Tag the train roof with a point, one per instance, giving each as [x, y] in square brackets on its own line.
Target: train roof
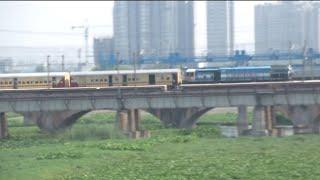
[147, 71]
[208, 69]
[13, 75]
[246, 67]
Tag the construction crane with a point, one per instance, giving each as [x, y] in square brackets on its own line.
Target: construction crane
[86, 37]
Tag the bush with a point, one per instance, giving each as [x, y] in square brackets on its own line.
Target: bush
[282, 120]
[201, 131]
[59, 155]
[93, 131]
[98, 118]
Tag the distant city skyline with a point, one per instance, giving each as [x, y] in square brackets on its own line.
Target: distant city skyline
[51, 16]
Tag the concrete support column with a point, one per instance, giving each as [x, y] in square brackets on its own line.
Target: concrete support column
[27, 119]
[270, 118]
[137, 118]
[258, 121]
[242, 121]
[129, 123]
[3, 125]
[122, 118]
[131, 120]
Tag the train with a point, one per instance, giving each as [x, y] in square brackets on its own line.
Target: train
[170, 77]
[238, 74]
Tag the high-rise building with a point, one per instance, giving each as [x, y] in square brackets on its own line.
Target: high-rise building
[286, 26]
[220, 27]
[103, 52]
[125, 28]
[153, 28]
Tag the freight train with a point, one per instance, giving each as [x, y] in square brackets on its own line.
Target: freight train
[169, 77]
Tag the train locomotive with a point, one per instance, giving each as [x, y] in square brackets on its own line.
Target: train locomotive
[237, 74]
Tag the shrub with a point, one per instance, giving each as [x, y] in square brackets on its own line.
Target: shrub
[93, 131]
[59, 155]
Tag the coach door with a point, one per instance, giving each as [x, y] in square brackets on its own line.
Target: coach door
[15, 83]
[152, 79]
[110, 80]
[124, 80]
[174, 79]
[53, 82]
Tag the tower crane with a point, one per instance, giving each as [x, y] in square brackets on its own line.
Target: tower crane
[86, 37]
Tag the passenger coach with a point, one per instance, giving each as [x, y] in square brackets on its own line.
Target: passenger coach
[170, 77]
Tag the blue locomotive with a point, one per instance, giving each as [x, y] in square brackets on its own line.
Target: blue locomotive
[238, 74]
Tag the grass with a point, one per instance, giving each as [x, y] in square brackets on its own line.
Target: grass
[94, 149]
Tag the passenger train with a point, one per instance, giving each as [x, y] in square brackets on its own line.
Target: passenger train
[169, 77]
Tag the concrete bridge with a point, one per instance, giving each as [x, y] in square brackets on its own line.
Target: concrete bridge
[52, 109]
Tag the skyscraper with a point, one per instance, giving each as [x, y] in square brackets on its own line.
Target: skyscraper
[153, 28]
[220, 27]
[103, 52]
[286, 26]
[125, 28]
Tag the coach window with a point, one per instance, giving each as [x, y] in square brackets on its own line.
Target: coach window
[101, 80]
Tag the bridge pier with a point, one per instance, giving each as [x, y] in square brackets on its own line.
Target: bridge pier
[3, 125]
[270, 118]
[305, 118]
[27, 119]
[179, 117]
[242, 121]
[259, 121]
[128, 121]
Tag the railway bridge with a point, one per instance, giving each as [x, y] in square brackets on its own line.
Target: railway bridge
[52, 109]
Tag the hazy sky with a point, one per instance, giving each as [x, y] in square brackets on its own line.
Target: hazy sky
[20, 22]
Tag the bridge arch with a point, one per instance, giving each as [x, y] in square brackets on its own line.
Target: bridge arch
[53, 120]
[179, 117]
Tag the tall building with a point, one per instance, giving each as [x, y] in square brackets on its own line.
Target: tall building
[103, 52]
[125, 28]
[153, 28]
[286, 26]
[220, 27]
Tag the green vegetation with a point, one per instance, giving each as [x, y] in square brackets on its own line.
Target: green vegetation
[94, 149]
